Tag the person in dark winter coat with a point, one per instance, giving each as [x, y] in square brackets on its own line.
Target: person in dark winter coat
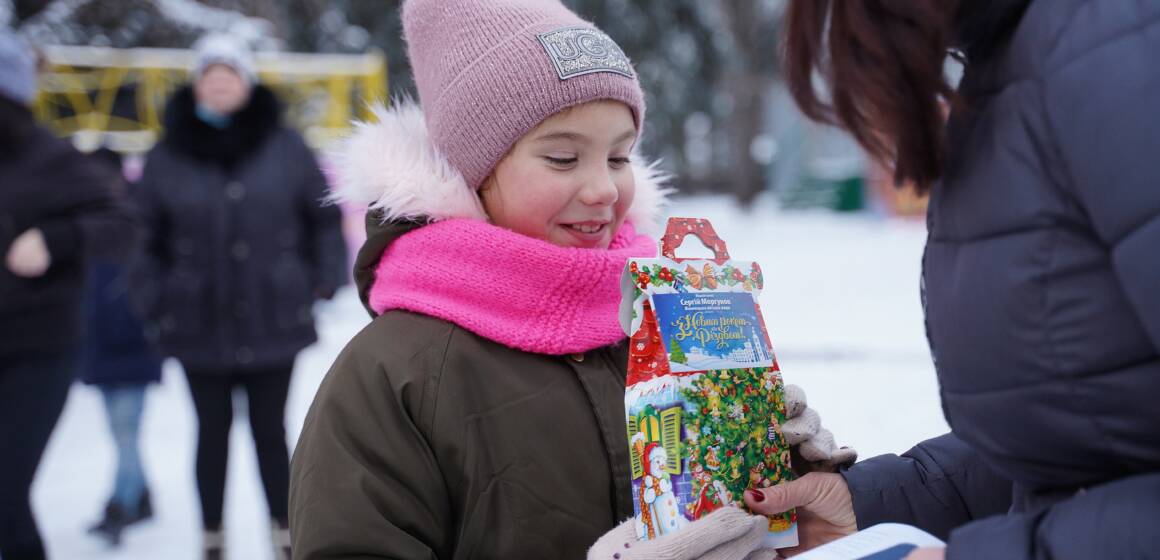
[117, 358]
[56, 212]
[240, 244]
[1042, 267]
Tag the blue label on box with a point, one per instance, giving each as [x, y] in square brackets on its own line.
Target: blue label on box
[711, 331]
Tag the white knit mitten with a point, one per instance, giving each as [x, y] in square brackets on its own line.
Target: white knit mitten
[726, 534]
[803, 430]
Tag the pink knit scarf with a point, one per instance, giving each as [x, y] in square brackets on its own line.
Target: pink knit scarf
[520, 292]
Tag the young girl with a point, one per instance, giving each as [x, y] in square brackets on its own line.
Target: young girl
[481, 414]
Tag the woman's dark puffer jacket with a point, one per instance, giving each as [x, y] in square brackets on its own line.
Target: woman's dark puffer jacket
[1042, 293]
[239, 241]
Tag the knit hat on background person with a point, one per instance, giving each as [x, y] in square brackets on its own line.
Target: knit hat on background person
[17, 68]
[220, 48]
[489, 71]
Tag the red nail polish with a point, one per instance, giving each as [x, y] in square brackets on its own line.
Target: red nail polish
[757, 496]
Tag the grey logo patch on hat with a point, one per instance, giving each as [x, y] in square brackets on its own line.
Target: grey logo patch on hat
[576, 51]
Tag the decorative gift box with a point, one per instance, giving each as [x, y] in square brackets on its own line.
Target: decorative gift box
[704, 401]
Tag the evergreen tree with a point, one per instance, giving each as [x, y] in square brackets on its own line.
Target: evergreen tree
[675, 353]
[736, 438]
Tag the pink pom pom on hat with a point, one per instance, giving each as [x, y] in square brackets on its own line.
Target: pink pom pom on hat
[489, 71]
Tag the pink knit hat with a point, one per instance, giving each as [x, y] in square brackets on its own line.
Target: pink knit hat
[489, 71]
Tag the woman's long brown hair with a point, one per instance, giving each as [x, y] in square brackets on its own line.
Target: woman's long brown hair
[882, 64]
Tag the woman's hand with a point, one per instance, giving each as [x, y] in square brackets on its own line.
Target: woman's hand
[824, 507]
[28, 256]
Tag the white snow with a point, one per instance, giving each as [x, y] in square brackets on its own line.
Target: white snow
[207, 18]
[841, 302]
[54, 24]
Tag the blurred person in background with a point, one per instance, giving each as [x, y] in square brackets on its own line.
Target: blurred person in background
[238, 248]
[56, 211]
[121, 363]
[1041, 276]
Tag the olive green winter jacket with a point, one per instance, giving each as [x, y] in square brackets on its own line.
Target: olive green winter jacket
[427, 441]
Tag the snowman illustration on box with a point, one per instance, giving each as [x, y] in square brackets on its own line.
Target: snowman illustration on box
[657, 503]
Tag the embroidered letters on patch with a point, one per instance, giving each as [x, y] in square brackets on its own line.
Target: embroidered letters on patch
[576, 51]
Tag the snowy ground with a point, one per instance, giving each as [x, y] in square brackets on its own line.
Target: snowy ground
[841, 303]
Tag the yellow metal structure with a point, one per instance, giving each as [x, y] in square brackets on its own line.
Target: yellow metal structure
[115, 97]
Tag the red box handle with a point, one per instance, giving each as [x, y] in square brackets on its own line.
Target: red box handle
[679, 228]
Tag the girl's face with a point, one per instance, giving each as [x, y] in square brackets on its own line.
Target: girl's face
[568, 181]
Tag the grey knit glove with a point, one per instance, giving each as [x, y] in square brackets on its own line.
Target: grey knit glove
[726, 534]
[809, 441]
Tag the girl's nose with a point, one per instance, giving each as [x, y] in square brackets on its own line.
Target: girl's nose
[600, 190]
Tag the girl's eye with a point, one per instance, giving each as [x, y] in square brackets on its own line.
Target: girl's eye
[617, 163]
[560, 162]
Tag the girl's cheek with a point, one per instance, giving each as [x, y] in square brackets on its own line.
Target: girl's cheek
[627, 194]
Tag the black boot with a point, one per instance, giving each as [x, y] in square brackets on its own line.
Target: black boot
[114, 523]
[213, 544]
[117, 518]
[144, 507]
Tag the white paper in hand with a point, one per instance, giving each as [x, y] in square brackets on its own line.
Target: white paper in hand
[888, 541]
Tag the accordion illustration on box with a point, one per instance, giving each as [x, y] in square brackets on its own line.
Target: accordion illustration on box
[704, 401]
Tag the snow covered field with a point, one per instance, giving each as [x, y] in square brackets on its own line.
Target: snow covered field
[841, 302]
